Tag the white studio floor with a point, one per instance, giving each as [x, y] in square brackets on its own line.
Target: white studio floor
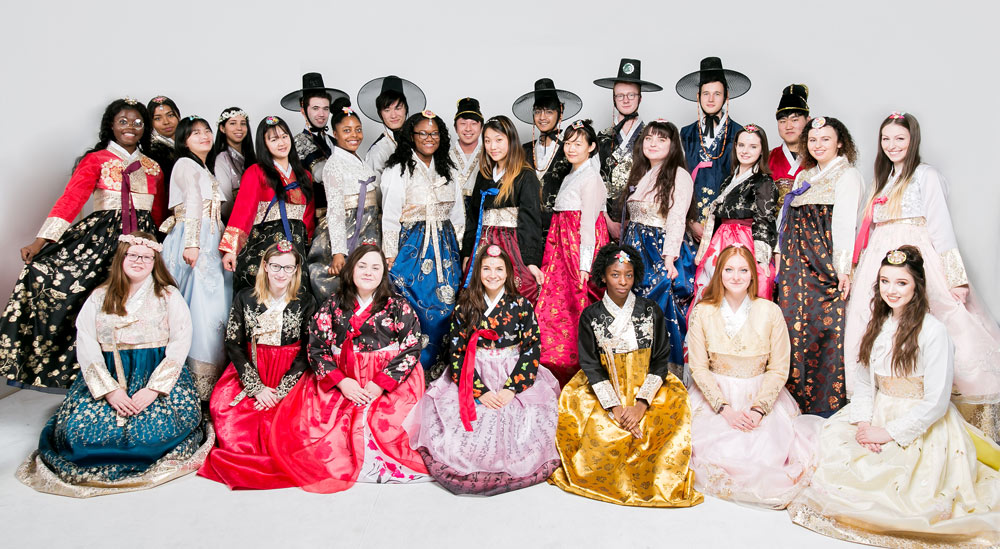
[194, 512]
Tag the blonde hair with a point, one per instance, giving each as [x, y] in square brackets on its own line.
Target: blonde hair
[261, 287]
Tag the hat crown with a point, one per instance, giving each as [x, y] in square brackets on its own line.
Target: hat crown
[392, 83]
[711, 63]
[545, 84]
[468, 104]
[630, 68]
[312, 80]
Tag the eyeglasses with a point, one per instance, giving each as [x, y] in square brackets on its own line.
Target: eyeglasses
[136, 258]
[276, 268]
[630, 96]
[426, 135]
[124, 123]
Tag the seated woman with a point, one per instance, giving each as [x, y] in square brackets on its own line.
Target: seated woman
[624, 425]
[489, 427]
[131, 420]
[343, 423]
[738, 354]
[266, 340]
[898, 465]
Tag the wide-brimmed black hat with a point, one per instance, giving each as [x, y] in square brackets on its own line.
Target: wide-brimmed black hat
[545, 89]
[794, 98]
[310, 81]
[468, 107]
[415, 98]
[711, 71]
[629, 70]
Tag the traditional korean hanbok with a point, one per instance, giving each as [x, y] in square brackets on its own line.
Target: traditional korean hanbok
[260, 219]
[743, 213]
[466, 169]
[422, 212]
[352, 217]
[658, 238]
[207, 287]
[709, 157]
[578, 230]
[550, 165]
[784, 165]
[923, 221]
[324, 441]
[229, 165]
[514, 224]
[267, 344]
[380, 151]
[930, 486]
[469, 448]
[741, 358]
[817, 225]
[624, 357]
[37, 338]
[87, 449]
[616, 146]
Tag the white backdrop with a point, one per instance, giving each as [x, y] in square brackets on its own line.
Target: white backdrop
[63, 62]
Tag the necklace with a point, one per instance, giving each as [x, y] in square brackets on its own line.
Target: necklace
[534, 159]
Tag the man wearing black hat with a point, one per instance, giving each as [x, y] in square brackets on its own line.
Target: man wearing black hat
[465, 150]
[388, 100]
[617, 142]
[708, 142]
[792, 114]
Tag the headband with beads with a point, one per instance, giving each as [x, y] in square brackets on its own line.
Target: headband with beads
[140, 241]
[818, 123]
[229, 114]
[896, 257]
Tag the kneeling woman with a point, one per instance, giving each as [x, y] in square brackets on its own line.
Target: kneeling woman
[266, 340]
[738, 351]
[624, 431]
[131, 420]
[898, 465]
[343, 423]
[489, 427]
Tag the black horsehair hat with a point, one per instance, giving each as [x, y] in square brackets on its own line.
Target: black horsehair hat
[545, 88]
[468, 107]
[629, 70]
[368, 94]
[794, 99]
[310, 81]
[711, 70]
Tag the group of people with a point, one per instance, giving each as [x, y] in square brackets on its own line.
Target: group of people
[637, 315]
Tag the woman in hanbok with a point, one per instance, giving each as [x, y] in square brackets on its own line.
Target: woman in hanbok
[266, 339]
[191, 251]
[67, 260]
[422, 211]
[488, 426]
[275, 203]
[165, 116]
[343, 422]
[624, 433]
[898, 466]
[816, 231]
[657, 196]
[749, 442]
[506, 208]
[132, 419]
[578, 230]
[353, 213]
[744, 212]
[388, 100]
[908, 205]
[233, 154]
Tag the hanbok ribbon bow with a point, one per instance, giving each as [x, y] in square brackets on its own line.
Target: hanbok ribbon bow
[466, 402]
[861, 242]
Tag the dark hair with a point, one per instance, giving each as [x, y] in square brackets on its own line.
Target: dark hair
[716, 290]
[403, 155]
[106, 133]
[247, 145]
[387, 98]
[585, 128]
[548, 101]
[266, 161]
[184, 130]
[118, 283]
[159, 101]
[844, 141]
[762, 165]
[905, 344]
[788, 112]
[471, 302]
[337, 111]
[513, 164]
[309, 95]
[668, 169]
[606, 256]
[348, 291]
[883, 166]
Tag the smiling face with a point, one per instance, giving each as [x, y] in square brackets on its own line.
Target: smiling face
[138, 263]
[712, 97]
[127, 128]
[165, 120]
[736, 276]
[823, 144]
[279, 143]
[619, 278]
[577, 149]
[655, 147]
[348, 133]
[790, 127]
[468, 130]
[394, 115]
[748, 149]
[895, 141]
[496, 145]
[317, 112]
[426, 138]
[235, 129]
[200, 140]
[278, 276]
[895, 286]
[368, 273]
[493, 273]
[545, 118]
[627, 97]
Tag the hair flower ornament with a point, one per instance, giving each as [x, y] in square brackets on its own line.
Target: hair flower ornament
[750, 128]
[284, 246]
[493, 250]
[896, 257]
[428, 113]
[818, 123]
[623, 257]
[139, 241]
[271, 120]
[896, 115]
[229, 114]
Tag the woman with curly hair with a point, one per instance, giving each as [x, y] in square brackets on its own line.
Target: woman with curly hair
[624, 433]
[68, 260]
[898, 466]
[422, 211]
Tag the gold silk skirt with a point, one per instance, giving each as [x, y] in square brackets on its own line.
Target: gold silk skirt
[602, 461]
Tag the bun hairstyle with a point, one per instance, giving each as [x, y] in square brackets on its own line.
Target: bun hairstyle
[338, 112]
[585, 128]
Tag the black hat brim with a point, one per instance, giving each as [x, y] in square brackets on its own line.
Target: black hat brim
[416, 101]
[524, 105]
[291, 101]
[689, 85]
[644, 85]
